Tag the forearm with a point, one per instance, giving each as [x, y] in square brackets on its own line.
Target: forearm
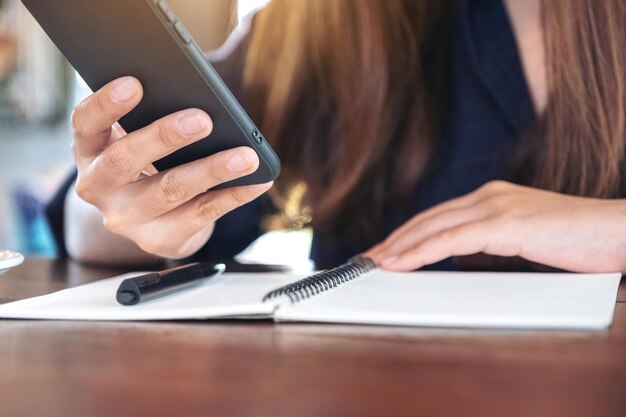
[87, 240]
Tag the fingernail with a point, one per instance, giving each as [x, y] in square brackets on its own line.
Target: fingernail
[123, 90]
[389, 261]
[238, 163]
[193, 122]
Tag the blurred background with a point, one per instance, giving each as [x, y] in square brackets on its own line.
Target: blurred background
[38, 89]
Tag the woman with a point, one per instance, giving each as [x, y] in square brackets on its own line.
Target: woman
[410, 122]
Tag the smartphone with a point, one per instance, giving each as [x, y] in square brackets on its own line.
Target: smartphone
[107, 39]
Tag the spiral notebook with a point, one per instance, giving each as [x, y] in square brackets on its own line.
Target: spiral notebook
[357, 293]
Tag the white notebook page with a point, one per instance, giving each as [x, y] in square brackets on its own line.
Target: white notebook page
[461, 299]
[440, 299]
[227, 296]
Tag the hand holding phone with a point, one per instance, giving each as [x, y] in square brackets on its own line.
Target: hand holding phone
[163, 110]
[170, 214]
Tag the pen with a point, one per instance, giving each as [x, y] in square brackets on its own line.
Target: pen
[160, 284]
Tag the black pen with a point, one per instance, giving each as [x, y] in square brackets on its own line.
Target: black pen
[160, 284]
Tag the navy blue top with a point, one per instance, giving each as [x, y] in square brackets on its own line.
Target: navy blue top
[490, 109]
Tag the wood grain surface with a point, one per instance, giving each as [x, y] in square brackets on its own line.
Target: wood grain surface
[262, 369]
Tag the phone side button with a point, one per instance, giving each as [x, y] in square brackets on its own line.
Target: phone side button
[167, 12]
[182, 33]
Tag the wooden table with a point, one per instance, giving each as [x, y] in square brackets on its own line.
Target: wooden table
[295, 370]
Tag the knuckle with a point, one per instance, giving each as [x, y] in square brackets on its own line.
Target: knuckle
[74, 148]
[216, 170]
[100, 103]
[432, 220]
[84, 189]
[501, 202]
[165, 135]
[149, 246]
[76, 120]
[506, 219]
[113, 222]
[448, 235]
[503, 205]
[117, 159]
[171, 190]
[495, 186]
[239, 196]
[208, 211]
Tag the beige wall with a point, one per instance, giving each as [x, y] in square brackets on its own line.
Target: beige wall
[208, 21]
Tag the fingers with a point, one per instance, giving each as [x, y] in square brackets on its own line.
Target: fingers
[124, 160]
[466, 239]
[383, 250]
[165, 191]
[424, 229]
[93, 119]
[169, 213]
[211, 206]
[191, 218]
[478, 222]
[468, 208]
[180, 232]
[492, 236]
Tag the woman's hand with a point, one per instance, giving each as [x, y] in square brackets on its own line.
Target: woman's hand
[169, 214]
[503, 219]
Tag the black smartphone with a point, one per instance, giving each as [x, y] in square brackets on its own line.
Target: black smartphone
[107, 39]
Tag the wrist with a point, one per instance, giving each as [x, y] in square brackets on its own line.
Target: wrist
[619, 208]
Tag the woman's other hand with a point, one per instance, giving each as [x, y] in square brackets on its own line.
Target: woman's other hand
[168, 214]
[503, 219]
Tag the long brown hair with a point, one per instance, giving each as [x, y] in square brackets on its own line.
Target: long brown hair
[350, 93]
[579, 144]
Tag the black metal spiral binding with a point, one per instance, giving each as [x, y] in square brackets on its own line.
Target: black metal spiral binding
[323, 281]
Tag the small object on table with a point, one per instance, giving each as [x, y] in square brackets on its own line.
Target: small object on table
[9, 259]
